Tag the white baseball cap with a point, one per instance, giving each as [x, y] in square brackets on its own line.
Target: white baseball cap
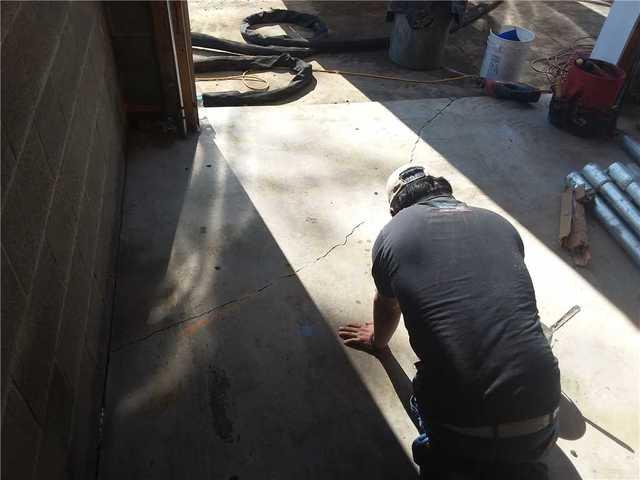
[402, 176]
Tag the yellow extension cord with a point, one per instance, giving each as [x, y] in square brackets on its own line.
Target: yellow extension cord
[247, 77]
[554, 67]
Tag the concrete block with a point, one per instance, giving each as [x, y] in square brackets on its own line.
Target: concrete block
[61, 226]
[86, 12]
[76, 157]
[98, 323]
[8, 11]
[98, 49]
[82, 459]
[8, 164]
[67, 70]
[14, 302]
[104, 36]
[96, 332]
[111, 80]
[27, 54]
[52, 460]
[20, 438]
[74, 318]
[138, 67]
[112, 94]
[52, 126]
[111, 127]
[25, 210]
[114, 172]
[131, 18]
[57, 432]
[86, 238]
[59, 406]
[105, 245]
[36, 342]
[88, 92]
[112, 89]
[96, 168]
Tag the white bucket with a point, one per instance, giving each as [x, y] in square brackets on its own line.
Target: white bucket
[503, 59]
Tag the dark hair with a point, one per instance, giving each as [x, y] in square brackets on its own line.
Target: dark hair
[418, 190]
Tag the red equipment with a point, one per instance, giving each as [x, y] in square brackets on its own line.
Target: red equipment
[586, 101]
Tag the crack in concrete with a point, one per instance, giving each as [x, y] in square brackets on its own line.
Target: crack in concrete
[238, 299]
[344, 243]
[426, 124]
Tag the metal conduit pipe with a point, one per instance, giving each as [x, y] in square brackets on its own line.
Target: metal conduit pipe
[608, 218]
[623, 178]
[632, 147]
[634, 170]
[602, 184]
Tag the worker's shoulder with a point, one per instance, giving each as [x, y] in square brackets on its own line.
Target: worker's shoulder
[407, 218]
[490, 215]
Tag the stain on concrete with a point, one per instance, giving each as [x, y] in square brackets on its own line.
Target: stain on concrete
[218, 384]
[161, 401]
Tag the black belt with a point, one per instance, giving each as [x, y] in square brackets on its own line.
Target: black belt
[508, 430]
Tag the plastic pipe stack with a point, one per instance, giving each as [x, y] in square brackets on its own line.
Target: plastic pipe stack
[616, 197]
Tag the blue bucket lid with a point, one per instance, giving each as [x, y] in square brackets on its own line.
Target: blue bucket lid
[510, 35]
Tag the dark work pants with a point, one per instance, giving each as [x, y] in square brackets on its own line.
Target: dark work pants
[448, 452]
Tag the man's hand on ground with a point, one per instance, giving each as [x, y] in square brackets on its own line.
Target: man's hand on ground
[359, 336]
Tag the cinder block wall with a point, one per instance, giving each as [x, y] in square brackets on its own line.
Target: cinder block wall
[62, 174]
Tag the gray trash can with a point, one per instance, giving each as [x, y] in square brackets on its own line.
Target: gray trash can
[419, 32]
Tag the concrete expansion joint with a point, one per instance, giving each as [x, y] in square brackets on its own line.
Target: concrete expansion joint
[241, 298]
[425, 125]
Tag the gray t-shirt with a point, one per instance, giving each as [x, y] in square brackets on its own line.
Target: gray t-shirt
[469, 306]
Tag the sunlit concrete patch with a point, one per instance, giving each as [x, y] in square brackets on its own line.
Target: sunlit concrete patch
[234, 372]
[599, 8]
[246, 394]
[314, 172]
[183, 214]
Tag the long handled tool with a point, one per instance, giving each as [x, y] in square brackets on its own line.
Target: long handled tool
[549, 331]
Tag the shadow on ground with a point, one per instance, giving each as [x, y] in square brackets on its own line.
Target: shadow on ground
[560, 466]
[222, 366]
[557, 25]
[523, 170]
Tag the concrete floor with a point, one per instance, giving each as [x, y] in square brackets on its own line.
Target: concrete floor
[557, 25]
[243, 249]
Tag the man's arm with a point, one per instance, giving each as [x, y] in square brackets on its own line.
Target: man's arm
[373, 337]
[386, 315]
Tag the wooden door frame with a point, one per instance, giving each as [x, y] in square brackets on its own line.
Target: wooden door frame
[172, 36]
